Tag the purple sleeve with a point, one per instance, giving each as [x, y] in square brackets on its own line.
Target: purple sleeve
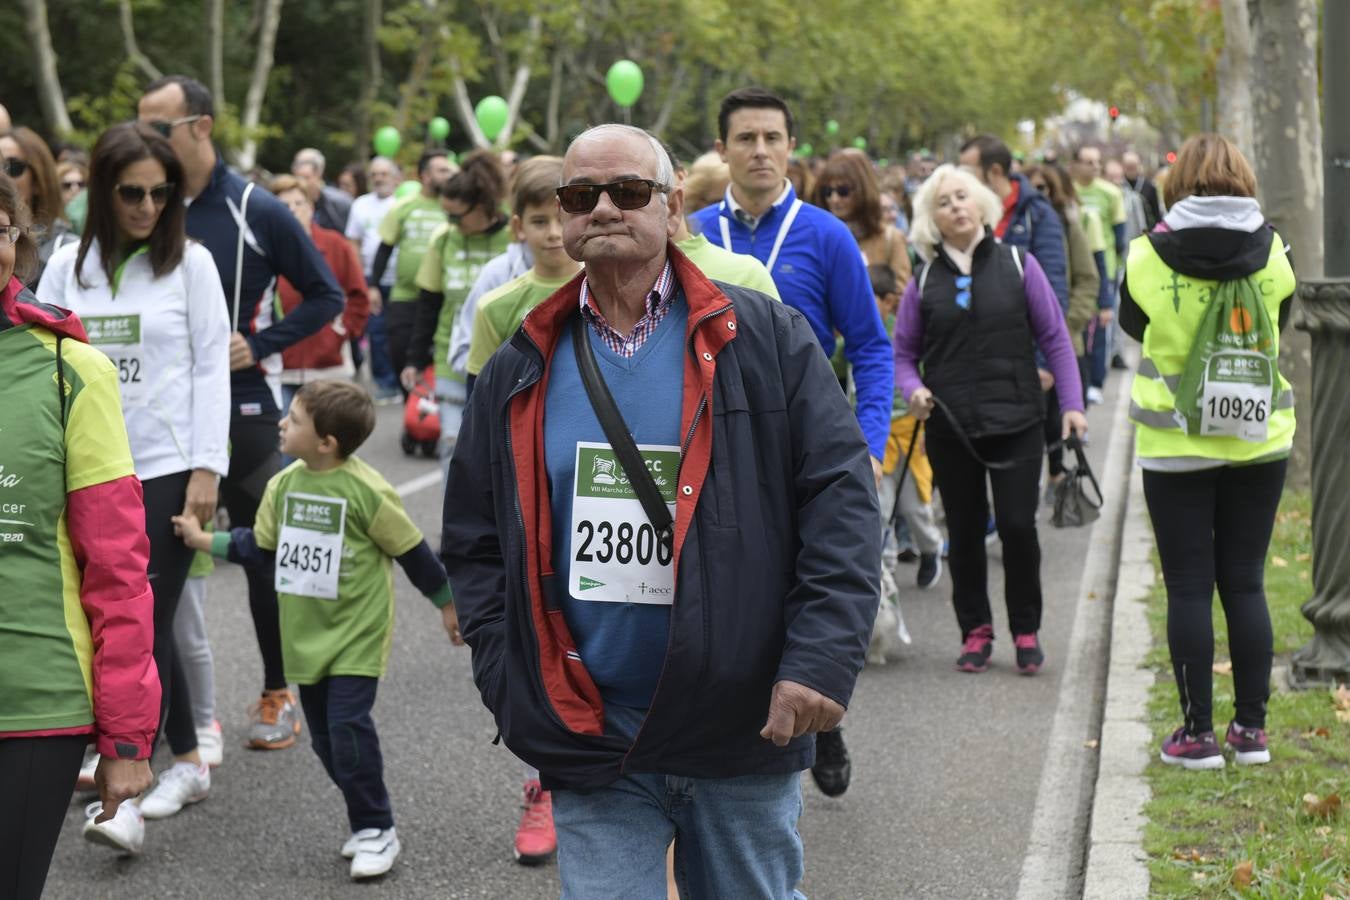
[908, 341]
[1052, 336]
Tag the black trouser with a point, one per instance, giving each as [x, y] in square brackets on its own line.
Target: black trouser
[342, 733]
[254, 458]
[37, 779]
[962, 481]
[170, 560]
[1054, 447]
[399, 318]
[1213, 529]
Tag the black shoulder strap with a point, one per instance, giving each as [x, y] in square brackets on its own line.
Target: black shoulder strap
[616, 432]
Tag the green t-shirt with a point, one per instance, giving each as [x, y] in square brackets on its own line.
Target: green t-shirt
[349, 635]
[501, 311]
[409, 226]
[739, 269]
[450, 267]
[1109, 203]
[1092, 228]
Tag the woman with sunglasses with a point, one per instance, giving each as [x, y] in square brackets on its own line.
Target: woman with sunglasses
[473, 201]
[973, 317]
[848, 187]
[152, 302]
[29, 162]
[76, 605]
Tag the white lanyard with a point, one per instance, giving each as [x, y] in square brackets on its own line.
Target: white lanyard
[239, 253]
[783, 230]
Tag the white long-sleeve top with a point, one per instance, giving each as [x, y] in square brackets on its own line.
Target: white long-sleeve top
[170, 340]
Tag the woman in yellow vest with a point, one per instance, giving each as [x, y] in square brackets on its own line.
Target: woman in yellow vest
[1214, 430]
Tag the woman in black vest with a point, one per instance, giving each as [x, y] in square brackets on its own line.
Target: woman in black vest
[965, 340]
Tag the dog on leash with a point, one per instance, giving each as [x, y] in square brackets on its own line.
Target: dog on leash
[888, 630]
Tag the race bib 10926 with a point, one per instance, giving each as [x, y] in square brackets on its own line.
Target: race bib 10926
[1235, 396]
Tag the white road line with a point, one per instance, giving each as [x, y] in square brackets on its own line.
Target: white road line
[420, 483]
[1057, 842]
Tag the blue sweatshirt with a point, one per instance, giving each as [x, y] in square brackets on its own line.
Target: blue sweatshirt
[274, 245]
[820, 271]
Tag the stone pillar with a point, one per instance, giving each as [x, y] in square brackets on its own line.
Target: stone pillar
[1324, 310]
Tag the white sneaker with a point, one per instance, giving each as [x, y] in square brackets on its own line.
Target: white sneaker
[178, 785]
[211, 744]
[125, 831]
[87, 768]
[350, 846]
[1094, 395]
[374, 852]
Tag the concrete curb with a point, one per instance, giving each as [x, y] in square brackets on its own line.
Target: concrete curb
[1117, 867]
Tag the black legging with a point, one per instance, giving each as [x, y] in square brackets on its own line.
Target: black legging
[254, 458]
[170, 560]
[962, 481]
[1054, 446]
[1213, 528]
[37, 779]
[400, 317]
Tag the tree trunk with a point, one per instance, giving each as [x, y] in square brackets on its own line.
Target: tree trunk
[421, 66]
[215, 50]
[520, 81]
[551, 124]
[50, 96]
[1287, 143]
[1234, 76]
[257, 85]
[374, 75]
[138, 59]
[465, 107]
[673, 92]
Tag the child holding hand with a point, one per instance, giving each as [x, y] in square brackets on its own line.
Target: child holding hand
[329, 526]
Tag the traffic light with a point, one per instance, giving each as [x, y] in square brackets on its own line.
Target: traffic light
[1114, 113]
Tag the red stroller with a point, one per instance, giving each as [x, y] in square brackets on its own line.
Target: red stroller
[421, 417]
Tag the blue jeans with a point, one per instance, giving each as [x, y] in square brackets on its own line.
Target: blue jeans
[734, 837]
[381, 368]
[450, 399]
[1100, 355]
[342, 733]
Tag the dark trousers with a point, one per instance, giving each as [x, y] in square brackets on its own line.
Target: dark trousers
[342, 733]
[1213, 529]
[37, 779]
[399, 319]
[254, 458]
[382, 370]
[1054, 447]
[964, 483]
[170, 560]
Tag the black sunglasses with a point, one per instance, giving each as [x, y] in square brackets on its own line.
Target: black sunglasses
[15, 167]
[842, 190]
[166, 128]
[631, 193]
[134, 194]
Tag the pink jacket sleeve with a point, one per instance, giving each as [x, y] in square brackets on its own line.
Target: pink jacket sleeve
[107, 532]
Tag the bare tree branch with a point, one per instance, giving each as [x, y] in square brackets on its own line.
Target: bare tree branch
[51, 98]
[521, 80]
[139, 59]
[215, 47]
[257, 86]
[374, 76]
[672, 94]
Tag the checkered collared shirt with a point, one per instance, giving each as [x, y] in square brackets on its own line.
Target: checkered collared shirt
[659, 301]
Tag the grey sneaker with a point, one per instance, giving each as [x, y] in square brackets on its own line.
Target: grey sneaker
[276, 721]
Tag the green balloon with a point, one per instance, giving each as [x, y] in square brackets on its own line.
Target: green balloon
[407, 189]
[491, 113]
[832, 127]
[438, 128]
[624, 80]
[860, 142]
[387, 141]
[884, 162]
[805, 150]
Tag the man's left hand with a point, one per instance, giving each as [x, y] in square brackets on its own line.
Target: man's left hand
[795, 709]
[876, 470]
[241, 354]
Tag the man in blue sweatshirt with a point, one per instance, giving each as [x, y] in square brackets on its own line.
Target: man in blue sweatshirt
[270, 244]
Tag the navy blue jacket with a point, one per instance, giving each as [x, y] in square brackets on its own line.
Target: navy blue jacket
[274, 245]
[1035, 227]
[776, 548]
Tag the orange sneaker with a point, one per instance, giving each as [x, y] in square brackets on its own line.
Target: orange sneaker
[276, 721]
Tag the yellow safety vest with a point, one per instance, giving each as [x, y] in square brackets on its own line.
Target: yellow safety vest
[1175, 305]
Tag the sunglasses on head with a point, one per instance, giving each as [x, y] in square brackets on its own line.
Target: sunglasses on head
[631, 193]
[842, 190]
[15, 167]
[166, 128]
[134, 194]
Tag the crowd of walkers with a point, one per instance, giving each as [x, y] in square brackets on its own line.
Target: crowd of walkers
[860, 360]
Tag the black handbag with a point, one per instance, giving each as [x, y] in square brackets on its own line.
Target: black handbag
[1074, 507]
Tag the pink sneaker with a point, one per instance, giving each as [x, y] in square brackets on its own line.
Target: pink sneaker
[536, 840]
[1192, 751]
[975, 651]
[1248, 745]
[1029, 655]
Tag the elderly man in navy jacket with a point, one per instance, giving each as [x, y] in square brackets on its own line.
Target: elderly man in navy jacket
[665, 683]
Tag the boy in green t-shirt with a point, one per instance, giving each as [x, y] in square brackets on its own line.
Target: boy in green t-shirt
[330, 525]
[535, 220]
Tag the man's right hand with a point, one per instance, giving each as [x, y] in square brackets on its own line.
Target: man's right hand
[921, 404]
[118, 780]
[376, 300]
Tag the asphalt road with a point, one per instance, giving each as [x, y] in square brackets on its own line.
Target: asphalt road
[946, 766]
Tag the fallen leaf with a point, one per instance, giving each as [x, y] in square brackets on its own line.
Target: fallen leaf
[1091, 745]
[1341, 697]
[1322, 808]
[1198, 876]
[1242, 875]
[1092, 595]
[1223, 668]
[1303, 557]
[1343, 715]
[1279, 562]
[1322, 830]
[1322, 732]
[1304, 576]
[1260, 827]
